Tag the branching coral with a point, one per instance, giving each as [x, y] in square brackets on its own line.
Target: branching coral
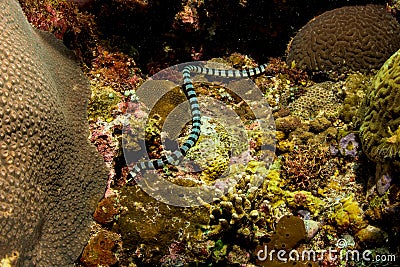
[306, 167]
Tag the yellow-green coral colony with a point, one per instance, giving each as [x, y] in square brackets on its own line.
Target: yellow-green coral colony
[380, 114]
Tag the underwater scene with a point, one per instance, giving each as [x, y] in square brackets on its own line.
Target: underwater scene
[199, 133]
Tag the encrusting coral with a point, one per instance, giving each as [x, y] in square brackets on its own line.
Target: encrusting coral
[51, 176]
[346, 38]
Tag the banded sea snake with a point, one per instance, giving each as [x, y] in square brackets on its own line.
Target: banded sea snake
[175, 157]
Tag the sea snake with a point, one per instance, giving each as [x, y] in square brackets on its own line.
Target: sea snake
[175, 157]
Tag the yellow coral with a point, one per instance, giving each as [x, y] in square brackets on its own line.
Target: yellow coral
[348, 214]
[285, 146]
[273, 187]
[9, 261]
[211, 152]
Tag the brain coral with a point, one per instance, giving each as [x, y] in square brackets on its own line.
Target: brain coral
[51, 177]
[351, 37]
[380, 114]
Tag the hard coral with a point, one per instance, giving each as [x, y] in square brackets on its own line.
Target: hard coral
[51, 176]
[380, 123]
[380, 114]
[319, 99]
[306, 167]
[351, 37]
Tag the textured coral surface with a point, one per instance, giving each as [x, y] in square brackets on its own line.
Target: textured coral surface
[319, 99]
[50, 176]
[352, 37]
[379, 131]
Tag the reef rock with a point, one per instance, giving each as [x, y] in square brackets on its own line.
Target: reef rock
[351, 37]
[51, 177]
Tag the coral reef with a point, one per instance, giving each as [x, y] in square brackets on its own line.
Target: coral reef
[305, 179]
[311, 197]
[319, 99]
[347, 38]
[51, 176]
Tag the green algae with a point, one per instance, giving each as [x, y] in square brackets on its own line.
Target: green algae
[219, 251]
